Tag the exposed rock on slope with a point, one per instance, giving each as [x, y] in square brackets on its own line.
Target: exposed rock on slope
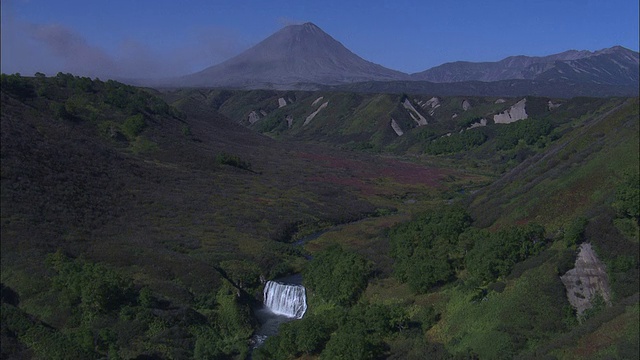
[253, 117]
[316, 101]
[396, 128]
[587, 279]
[418, 118]
[313, 114]
[515, 113]
[482, 122]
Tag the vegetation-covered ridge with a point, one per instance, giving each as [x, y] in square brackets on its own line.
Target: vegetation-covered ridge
[448, 126]
[183, 203]
[141, 224]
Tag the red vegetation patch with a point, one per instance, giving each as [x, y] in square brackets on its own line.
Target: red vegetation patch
[362, 186]
[412, 174]
[363, 174]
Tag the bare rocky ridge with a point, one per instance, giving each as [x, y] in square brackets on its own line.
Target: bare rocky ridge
[614, 66]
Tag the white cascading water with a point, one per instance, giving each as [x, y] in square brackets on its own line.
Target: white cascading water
[287, 300]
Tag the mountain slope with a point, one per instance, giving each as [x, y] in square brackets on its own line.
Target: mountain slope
[295, 54]
[579, 172]
[613, 66]
[303, 57]
[508, 88]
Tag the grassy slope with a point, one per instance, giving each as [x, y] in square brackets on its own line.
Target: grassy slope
[360, 121]
[168, 215]
[574, 175]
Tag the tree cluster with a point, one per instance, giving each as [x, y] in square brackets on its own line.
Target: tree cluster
[337, 276]
[431, 249]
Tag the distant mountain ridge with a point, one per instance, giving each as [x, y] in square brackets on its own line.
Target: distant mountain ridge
[304, 57]
[613, 66]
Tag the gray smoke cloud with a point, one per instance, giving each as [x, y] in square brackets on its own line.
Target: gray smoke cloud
[52, 48]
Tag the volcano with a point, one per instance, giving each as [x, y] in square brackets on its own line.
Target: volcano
[295, 55]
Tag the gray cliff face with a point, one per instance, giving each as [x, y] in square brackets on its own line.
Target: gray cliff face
[612, 66]
[295, 54]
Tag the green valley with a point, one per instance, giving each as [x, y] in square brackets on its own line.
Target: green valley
[141, 223]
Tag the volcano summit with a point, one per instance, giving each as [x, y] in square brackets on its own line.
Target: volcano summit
[295, 55]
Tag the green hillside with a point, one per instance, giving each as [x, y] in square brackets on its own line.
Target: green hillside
[142, 224]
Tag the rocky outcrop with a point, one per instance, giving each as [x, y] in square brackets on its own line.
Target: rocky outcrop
[513, 114]
[586, 280]
[316, 101]
[282, 102]
[551, 105]
[396, 128]
[466, 105]
[313, 114]
[253, 117]
[418, 118]
[482, 122]
[289, 120]
[434, 103]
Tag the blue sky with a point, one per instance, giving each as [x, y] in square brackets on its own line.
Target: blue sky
[157, 38]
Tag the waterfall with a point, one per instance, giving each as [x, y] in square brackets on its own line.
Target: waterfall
[287, 300]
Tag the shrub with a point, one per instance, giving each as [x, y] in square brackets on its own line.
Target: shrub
[426, 250]
[232, 160]
[337, 275]
[306, 336]
[133, 126]
[627, 201]
[494, 254]
[94, 287]
[574, 234]
[456, 142]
